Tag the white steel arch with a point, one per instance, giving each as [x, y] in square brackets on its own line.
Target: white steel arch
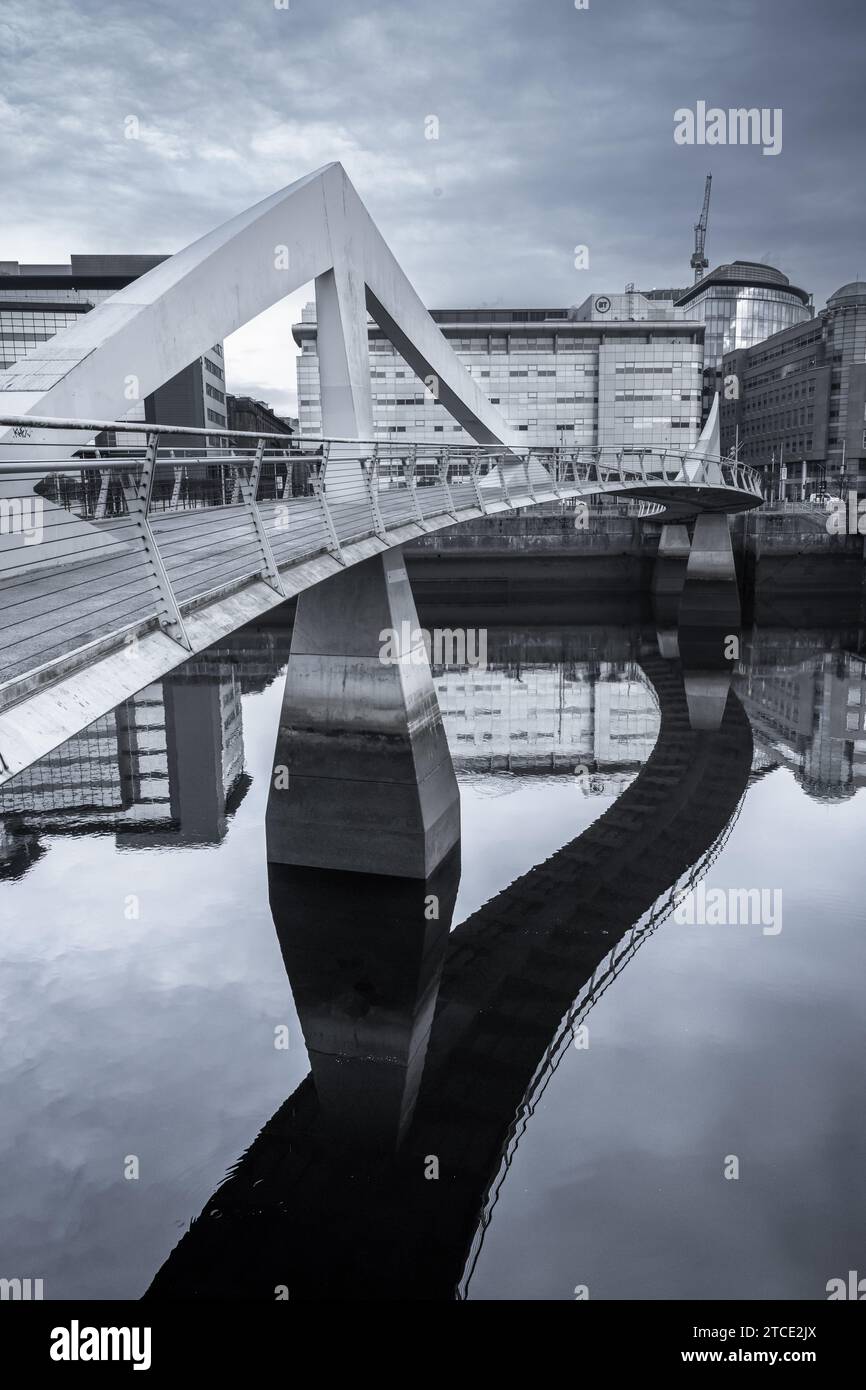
[315, 229]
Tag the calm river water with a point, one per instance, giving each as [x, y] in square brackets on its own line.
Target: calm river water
[618, 1099]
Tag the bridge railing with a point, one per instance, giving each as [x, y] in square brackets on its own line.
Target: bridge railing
[109, 529]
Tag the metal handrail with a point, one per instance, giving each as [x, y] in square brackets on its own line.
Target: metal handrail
[646, 461]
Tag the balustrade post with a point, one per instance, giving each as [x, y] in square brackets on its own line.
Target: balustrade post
[249, 486]
[413, 486]
[139, 495]
[319, 489]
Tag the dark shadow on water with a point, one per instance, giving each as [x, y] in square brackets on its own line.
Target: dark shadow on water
[374, 1177]
[364, 955]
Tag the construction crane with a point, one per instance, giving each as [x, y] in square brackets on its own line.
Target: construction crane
[699, 262]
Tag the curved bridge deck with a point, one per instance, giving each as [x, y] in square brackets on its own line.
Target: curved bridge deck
[119, 563]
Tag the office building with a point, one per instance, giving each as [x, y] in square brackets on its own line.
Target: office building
[592, 375]
[795, 404]
[37, 301]
[256, 417]
[741, 304]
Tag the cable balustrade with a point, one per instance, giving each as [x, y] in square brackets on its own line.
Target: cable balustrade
[110, 529]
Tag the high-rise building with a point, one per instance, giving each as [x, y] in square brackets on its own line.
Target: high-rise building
[795, 403]
[37, 301]
[618, 370]
[741, 304]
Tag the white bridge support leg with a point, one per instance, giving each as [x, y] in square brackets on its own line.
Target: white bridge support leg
[371, 786]
[368, 784]
[344, 376]
[712, 555]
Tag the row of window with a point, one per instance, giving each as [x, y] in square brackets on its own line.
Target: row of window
[654, 395]
[800, 444]
[38, 322]
[757, 359]
[24, 341]
[783, 419]
[552, 347]
[779, 397]
[645, 367]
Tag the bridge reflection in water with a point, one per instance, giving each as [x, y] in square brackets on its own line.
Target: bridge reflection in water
[429, 1048]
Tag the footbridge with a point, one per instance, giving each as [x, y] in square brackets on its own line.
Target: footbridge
[126, 547]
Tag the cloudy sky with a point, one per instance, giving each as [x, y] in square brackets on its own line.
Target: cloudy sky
[555, 130]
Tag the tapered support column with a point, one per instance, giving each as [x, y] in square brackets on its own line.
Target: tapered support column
[674, 543]
[344, 375]
[669, 571]
[712, 556]
[363, 775]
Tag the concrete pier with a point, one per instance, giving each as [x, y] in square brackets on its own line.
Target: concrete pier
[363, 779]
[712, 556]
[674, 543]
[669, 570]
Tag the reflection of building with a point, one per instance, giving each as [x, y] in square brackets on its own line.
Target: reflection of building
[813, 718]
[549, 718]
[37, 301]
[165, 768]
[740, 304]
[559, 376]
[801, 399]
[18, 850]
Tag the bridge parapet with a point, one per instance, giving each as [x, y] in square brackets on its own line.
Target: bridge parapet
[119, 559]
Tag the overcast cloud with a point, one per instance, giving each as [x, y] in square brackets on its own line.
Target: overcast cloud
[555, 129]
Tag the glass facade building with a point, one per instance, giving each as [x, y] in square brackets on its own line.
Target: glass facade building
[559, 376]
[22, 328]
[741, 304]
[38, 301]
